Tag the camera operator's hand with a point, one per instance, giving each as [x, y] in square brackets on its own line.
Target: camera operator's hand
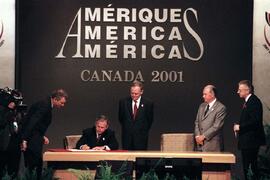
[46, 140]
[23, 145]
[11, 105]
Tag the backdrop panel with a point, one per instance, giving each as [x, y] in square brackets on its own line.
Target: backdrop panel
[94, 49]
[261, 54]
[7, 43]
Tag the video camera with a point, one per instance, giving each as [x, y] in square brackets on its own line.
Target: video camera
[8, 95]
[15, 115]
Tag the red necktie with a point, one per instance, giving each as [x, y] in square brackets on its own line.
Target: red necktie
[135, 109]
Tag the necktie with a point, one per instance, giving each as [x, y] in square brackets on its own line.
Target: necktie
[244, 105]
[135, 109]
[207, 109]
[98, 137]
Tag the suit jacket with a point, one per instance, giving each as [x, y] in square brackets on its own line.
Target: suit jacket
[4, 128]
[251, 134]
[89, 137]
[36, 124]
[211, 126]
[135, 131]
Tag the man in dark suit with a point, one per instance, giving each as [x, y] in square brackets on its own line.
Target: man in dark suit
[209, 122]
[249, 129]
[35, 126]
[7, 137]
[99, 137]
[136, 117]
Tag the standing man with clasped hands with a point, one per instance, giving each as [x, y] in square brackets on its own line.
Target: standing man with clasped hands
[135, 117]
[209, 122]
[249, 129]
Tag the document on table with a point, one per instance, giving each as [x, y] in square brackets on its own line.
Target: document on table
[80, 150]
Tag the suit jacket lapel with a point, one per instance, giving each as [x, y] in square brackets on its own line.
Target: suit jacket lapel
[250, 99]
[140, 108]
[129, 106]
[202, 112]
[211, 109]
[244, 108]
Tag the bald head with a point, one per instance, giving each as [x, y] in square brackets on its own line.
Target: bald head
[209, 93]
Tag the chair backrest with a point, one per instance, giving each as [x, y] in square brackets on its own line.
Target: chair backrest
[70, 141]
[177, 142]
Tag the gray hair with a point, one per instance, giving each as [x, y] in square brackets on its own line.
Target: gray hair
[212, 89]
[137, 83]
[248, 84]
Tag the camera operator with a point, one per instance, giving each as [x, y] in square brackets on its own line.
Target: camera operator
[9, 131]
[9, 140]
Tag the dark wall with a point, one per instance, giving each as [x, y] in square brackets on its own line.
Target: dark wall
[224, 27]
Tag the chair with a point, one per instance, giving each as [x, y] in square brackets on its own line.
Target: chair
[177, 142]
[70, 141]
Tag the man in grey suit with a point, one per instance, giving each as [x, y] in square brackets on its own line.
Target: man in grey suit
[209, 122]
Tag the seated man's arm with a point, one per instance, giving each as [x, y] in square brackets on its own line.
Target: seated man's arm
[82, 143]
[110, 143]
[84, 147]
[113, 143]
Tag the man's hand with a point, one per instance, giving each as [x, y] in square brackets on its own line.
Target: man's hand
[45, 140]
[99, 148]
[200, 139]
[23, 145]
[11, 105]
[236, 129]
[84, 147]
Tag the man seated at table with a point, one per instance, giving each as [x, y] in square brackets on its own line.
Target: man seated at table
[99, 137]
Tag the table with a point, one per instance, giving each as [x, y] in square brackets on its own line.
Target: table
[216, 166]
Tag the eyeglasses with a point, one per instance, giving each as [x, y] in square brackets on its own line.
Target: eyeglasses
[240, 90]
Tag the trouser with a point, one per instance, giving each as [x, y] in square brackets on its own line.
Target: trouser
[249, 159]
[10, 158]
[9, 163]
[3, 163]
[131, 142]
[33, 162]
